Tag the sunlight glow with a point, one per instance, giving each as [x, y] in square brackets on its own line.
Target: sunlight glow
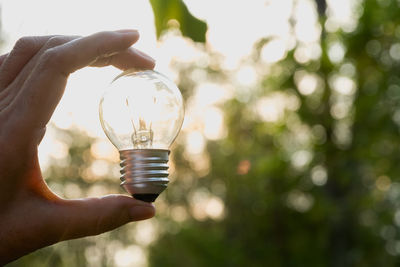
[179, 213]
[209, 93]
[343, 85]
[307, 83]
[395, 51]
[336, 52]
[132, 255]
[200, 163]
[103, 149]
[305, 53]
[93, 255]
[99, 168]
[204, 205]
[214, 124]
[340, 109]
[246, 76]
[72, 190]
[301, 158]
[146, 232]
[300, 201]
[342, 14]
[307, 28]
[52, 148]
[195, 142]
[319, 175]
[272, 108]
[273, 51]
[99, 190]
[383, 183]
[233, 37]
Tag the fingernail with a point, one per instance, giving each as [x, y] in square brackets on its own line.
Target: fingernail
[142, 212]
[127, 31]
[144, 55]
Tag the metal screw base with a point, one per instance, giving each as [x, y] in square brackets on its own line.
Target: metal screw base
[144, 172]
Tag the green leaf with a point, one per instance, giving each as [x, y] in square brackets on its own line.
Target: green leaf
[165, 10]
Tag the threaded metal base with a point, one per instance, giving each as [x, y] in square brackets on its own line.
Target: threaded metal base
[144, 172]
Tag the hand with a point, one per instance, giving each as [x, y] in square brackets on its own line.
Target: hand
[32, 81]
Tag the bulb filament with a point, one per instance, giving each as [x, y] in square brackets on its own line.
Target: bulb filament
[142, 137]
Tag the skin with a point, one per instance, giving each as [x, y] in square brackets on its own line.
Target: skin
[32, 81]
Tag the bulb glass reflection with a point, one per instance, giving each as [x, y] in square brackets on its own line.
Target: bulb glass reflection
[142, 110]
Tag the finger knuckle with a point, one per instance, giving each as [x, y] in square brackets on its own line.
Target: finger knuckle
[56, 41]
[49, 58]
[25, 42]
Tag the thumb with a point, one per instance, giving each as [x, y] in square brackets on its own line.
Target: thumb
[92, 216]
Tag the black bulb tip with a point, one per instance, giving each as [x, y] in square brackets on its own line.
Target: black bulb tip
[146, 197]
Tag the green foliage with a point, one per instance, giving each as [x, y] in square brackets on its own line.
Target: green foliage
[277, 213]
[167, 10]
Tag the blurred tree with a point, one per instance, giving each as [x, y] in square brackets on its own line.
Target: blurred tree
[314, 185]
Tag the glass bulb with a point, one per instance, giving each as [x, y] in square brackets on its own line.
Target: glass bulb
[142, 113]
[141, 110]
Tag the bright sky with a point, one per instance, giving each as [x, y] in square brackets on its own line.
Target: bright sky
[79, 105]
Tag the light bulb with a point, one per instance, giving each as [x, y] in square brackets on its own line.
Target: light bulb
[142, 113]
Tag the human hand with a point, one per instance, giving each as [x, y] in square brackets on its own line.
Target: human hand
[33, 77]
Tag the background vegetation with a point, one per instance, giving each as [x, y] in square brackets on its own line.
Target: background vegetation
[307, 172]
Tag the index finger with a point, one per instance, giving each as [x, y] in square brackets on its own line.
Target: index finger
[85, 51]
[45, 86]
